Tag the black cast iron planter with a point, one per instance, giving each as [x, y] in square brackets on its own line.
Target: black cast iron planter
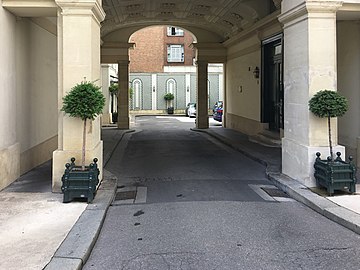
[335, 175]
[77, 183]
[170, 110]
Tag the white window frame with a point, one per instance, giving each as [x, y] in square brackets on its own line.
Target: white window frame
[174, 31]
[175, 53]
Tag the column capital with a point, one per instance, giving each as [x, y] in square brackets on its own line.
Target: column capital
[210, 52]
[308, 8]
[113, 52]
[201, 62]
[81, 8]
[123, 63]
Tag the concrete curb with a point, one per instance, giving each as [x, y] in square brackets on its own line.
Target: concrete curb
[76, 248]
[108, 155]
[297, 191]
[74, 251]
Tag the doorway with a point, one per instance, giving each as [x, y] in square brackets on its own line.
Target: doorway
[272, 83]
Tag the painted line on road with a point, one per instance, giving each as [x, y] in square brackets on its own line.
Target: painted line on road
[261, 192]
[141, 194]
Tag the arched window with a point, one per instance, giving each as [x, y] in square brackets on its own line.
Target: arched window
[137, 87]
[171, 86]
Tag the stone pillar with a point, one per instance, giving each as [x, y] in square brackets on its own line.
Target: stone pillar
[123, 95]
[202, 115]
[309, 66]
[78, 58]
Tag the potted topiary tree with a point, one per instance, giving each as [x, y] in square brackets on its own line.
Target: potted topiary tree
[85, 101]
[169, 97]
[334, 174]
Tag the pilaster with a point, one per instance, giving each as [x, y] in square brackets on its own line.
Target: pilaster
[202, 115]
[309, 66]
[123, 95]
[78, 59]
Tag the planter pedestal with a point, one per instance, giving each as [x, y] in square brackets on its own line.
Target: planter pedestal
[335, 175]
[80, 184]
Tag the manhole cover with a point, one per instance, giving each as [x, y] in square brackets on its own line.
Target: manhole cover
[274, 192]
[125, 195]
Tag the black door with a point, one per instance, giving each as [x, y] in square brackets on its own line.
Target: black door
[272, 84]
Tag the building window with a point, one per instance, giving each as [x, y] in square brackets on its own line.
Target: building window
[175, 53]
[173, 31]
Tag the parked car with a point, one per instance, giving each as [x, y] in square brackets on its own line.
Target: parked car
[218, 111]
[190, 109]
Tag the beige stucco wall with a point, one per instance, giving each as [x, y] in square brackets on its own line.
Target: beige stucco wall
[9, 147]
[243, 96]
[36, 88]
[243, 90]
[28, 107]
[348, 55]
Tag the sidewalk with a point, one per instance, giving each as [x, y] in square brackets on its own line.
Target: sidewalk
[35, 224]
[34, 219]
[343, 209]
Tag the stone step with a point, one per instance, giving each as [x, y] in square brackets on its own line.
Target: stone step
[267, 138]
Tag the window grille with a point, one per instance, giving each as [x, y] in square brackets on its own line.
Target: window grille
[175, 53]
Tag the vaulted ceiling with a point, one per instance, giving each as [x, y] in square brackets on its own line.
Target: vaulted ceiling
[220, 18]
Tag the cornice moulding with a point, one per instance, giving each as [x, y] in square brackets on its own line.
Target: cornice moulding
[304, 10]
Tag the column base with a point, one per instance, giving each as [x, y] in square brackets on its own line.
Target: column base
[61, 157]
[298, 160]
[202, 122]
[106, 119]
[10, 164]
[123, 123]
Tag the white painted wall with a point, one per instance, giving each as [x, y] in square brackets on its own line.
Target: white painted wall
[108, 74]
[348, 59]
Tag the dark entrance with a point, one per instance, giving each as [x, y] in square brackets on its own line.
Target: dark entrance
[272, 83]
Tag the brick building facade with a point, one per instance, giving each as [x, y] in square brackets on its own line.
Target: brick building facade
[156, 47]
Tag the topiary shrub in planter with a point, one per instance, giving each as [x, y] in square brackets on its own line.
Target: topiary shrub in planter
[169, 97]
[85, 101]
[333, 174]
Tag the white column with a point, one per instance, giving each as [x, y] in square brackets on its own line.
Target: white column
[153, 91]
[105, 82]
[309, 66]
[78, 58]
[202, 115]
[187, 88]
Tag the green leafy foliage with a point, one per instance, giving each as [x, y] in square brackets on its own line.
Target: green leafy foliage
[85, 100]
[169, 96]
[113, 88]
[327, 103]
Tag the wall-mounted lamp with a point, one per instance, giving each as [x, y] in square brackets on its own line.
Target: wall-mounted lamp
[256, 72]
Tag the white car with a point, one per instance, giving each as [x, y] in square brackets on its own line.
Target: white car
[191, 110]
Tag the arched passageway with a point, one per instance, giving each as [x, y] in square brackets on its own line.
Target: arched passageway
[229, 32]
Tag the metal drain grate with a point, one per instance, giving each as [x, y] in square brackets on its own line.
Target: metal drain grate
[274, 192]
[125, 195]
